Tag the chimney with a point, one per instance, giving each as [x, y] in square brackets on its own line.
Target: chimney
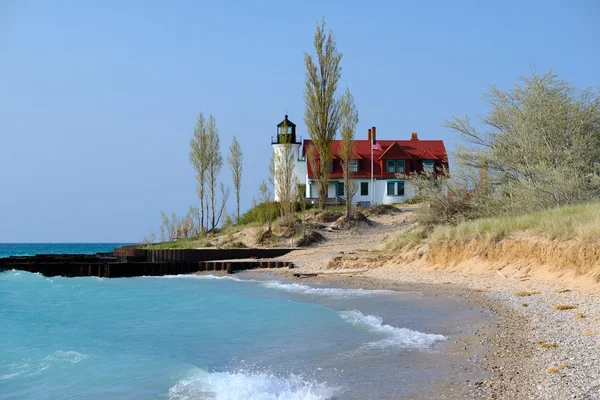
[374, 133]
[369, 134]
[414, 136]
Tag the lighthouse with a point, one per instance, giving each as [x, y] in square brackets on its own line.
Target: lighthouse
[286, 149]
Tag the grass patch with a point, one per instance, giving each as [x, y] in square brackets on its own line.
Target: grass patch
[189, 243]
[563, 290]
[525, 304]
[580, 222]
[579, 316]
[478, 290]
[588, 333]
[553, 370]
[562, 307]
[410, 237]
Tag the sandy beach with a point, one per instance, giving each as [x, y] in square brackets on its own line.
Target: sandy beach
[543, 344]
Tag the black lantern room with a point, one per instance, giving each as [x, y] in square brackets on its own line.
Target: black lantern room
[286, 132]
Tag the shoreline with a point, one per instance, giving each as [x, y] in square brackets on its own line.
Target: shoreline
[531, 351]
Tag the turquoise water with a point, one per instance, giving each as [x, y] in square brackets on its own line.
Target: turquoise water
[205, 337]
[31, 249]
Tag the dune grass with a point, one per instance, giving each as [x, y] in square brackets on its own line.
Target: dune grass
[411, 236]
[580, 222]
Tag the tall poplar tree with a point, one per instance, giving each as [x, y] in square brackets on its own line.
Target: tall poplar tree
[322, 109]
[234, 160]
[199, 160]
[215, 163]
[349, 120]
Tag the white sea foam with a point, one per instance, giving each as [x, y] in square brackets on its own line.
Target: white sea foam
[9, 376]
[242, 385]
[332, 292]
[394, 337]
[71, 356]
[200, 277]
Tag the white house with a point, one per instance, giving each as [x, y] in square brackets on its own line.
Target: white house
[374, 165]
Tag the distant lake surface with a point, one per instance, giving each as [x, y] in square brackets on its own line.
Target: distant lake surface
[31, 249]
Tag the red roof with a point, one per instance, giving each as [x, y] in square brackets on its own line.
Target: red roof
[412, 151]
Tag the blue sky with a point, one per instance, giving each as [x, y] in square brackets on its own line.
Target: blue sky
[98, 100]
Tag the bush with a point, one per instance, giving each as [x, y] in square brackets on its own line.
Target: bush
[256, 215]
[309, 238]
[235, 245]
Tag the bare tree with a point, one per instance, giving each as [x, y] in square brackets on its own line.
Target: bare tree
[205, 156]
[214, 165]
[349, 120]
[149, 239]
[265, 198]
[224, 196]
[322, 109]
[199, 158]
[282, 176]
[235, 163]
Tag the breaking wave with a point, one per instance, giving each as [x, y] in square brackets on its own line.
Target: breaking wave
[200, 277]
[394, 337]
[242, 385]
[332, 292]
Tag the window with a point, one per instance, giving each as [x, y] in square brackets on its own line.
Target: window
[364, 188]
[395, 188]
[428, 166]
[391, 166]
[330, 166]
[395, 166]
[353, 165]
[400, 164]
[391, 188]
[340, 189]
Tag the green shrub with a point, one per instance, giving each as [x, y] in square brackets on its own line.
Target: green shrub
[235, 245]
[256, 214]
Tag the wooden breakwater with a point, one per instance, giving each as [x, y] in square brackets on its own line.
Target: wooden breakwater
[130, 262]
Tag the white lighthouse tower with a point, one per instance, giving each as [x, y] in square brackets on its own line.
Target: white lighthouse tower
[286, 141]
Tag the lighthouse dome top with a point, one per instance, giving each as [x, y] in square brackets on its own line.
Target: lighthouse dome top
[287, 122]
[286, 132]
